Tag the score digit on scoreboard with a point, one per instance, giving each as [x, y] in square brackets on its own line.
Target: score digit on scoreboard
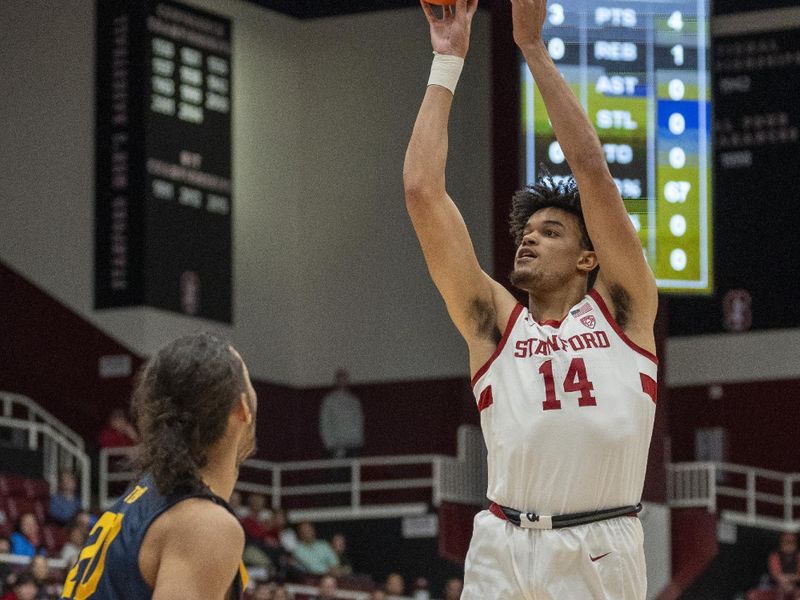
[639, 68]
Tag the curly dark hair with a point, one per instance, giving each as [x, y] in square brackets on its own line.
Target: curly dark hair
[544, 193]
[181, 403]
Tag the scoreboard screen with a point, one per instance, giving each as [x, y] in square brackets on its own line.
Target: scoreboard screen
[640, 70]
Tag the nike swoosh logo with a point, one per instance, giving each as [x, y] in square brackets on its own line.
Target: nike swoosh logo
[596, 558]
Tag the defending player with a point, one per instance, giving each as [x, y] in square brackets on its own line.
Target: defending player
[172, 535]
[565, 387]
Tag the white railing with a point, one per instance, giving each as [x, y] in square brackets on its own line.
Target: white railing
[36, 414]
[741, 494]
[57, 450]
[438, 478]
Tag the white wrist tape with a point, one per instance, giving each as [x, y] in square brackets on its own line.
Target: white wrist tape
[445, 71]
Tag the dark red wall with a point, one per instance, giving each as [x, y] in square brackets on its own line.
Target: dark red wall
[49, 353]
[409, 417]
[762, 420]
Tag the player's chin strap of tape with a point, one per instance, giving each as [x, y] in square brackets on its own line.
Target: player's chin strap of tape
[445, 71]
[534, 521]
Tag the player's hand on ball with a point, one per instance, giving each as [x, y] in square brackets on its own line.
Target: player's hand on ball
[528, 18]
[450, 32]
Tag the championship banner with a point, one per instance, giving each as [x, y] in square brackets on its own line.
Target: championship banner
[163, 159]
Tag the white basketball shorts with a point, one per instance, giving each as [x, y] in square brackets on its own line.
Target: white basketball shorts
[597, 561]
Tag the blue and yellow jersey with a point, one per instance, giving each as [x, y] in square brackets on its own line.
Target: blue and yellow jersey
[108, 565]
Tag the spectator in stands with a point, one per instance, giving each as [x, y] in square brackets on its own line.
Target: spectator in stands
[27, 538]
[341, 420]
[263, 591]
[84, 519]
[452, 589]
[118, 431]
[377, 595]
[421, 591]
[327, 588]
[22, 588]
[784, 567]
[72, 549]
[312, 555]
[236, 505]
[281, 532]
[258, 520]
[5, 568]
[40, 571]
[339, 545]
[281, 593]
[395, 585]
[65, 504]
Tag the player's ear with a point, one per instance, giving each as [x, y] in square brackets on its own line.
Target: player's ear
[587, 261]
[244, 410]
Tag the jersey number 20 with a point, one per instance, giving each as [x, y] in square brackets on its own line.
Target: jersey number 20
[85, 575]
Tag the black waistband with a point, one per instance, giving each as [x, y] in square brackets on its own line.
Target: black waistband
[568, 520]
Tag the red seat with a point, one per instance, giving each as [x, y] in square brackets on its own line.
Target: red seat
[12, 485]
[20, 505]
[54, 538]
[36, 488]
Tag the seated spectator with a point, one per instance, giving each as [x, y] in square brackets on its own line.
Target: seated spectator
[280, 533]
[420, 591]
[26, 539]
[84, 519]
[5, 568]
[312, 555]
[236, 505]
[377, 595]
[395, 585]
[258, 521]
[784, 567]
[452, 589]
[339, 545]
[281, 593]
[23, 587]
[72, 549]
[40, 571]
[263, 590]
[118, 431]
[327, 588]
[65, 504]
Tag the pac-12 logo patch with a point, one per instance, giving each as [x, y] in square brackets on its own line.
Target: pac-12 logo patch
[589, 321]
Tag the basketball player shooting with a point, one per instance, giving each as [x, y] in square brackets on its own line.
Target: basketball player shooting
[172, 535]
[566, 387]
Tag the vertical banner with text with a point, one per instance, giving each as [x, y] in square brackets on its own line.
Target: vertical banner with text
[163, 159]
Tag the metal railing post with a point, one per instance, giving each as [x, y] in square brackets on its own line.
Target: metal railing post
[436, 476]
[751, 494]
[355, 478]
[788, 501]
[276, 488]
[102, 478]
[86, 482]
[32, 438]
[712, 487]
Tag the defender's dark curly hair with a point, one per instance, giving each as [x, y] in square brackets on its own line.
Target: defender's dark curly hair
[544, 193]
[181, 404]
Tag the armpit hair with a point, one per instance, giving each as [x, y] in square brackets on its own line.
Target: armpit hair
[484, 316]
[622, 305]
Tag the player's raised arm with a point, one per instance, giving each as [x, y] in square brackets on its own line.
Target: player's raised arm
[625, 279]
[448, 250]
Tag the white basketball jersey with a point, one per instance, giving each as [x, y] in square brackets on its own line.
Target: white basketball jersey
[567, 412]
